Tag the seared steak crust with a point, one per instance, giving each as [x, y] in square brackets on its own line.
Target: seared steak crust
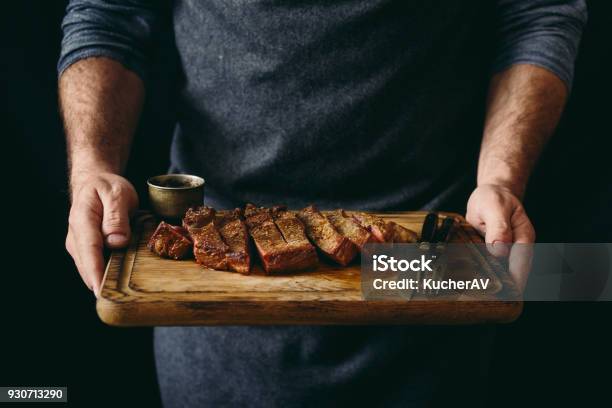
[283, 239]
[209, 248]
[170, 241]
[384, 231]
[402, 234]
[323, 234]
[350, 228]
[277, 252]
[197, 217]
[234, 232]
[294, 233]
[376, 225]
[220, 238]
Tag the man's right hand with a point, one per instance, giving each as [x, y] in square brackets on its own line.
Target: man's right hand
[99, 216]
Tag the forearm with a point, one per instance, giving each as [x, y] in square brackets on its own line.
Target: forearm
[524, 105]
[100, 104]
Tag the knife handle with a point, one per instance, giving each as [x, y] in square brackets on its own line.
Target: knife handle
[430, 225]
[444, 232]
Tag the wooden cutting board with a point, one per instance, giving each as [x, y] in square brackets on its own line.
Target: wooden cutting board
[141, 289]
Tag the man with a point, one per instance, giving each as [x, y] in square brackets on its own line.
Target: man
[357, 104]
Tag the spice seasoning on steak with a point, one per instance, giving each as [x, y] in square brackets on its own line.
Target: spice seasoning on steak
[323, 234]
[402, 234]
[197, 217]
[384, 231]
[294, 233]
[283, 239]
[276, 253]
[208, 247]
[379, 229]
[220, 238]
[234, 232]
[170, 241]
[350, 228]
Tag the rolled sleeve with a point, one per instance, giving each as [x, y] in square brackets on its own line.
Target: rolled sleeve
[121, 30]
[545, 33]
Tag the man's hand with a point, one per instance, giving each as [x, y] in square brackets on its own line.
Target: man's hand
[99, 216]
[523, 108]
[100, 104]
[501, 218]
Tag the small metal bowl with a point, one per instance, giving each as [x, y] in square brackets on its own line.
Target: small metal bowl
[170, 195]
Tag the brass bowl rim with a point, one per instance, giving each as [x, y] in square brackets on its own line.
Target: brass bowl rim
[199, 180]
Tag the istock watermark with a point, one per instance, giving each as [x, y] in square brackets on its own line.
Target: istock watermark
[383, 263]
[538, 272]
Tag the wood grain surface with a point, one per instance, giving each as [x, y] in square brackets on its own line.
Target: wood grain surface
[141, 289]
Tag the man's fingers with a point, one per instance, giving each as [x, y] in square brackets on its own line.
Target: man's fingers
[498, 231]
[115, 219]
[70, 247]
[87, 239]
[522, 251]
[519, 264]
[522, 229]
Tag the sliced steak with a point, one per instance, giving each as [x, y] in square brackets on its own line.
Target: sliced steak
[276, 254]
[220, 237]
[170, 241]
[294, 233]
[323, 234]
[209, 249]
[350, 228]
[385, 231]
[402, 234]
[234, 232]
[379, 229]
[197, 217]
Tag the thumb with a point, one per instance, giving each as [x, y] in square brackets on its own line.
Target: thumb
[498, 230]
[116, 222]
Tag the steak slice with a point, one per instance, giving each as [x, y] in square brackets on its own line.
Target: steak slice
[170, 241]
[323, 234]
[209, 248]
[379, 229]
[221, 239]
[197, 217]
[294, 233]
[402, 234]
[276, 254]
[385, 231]
[234, 232]
[350, 228]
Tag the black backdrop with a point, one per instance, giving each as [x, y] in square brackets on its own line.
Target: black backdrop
[50, 334]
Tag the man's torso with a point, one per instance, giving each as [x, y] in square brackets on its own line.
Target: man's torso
[360, 104]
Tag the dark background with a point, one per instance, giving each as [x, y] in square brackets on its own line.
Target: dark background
[554, 354]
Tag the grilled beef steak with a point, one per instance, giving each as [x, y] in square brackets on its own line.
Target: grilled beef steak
[276, 254]
[234, 232]
[197, 217]
[209, 248]
[384, 231]
[170, 241]
[323, 234]
[294, 233]
[402, 234]
[379, 229]
[220, 238]
[350, 228]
